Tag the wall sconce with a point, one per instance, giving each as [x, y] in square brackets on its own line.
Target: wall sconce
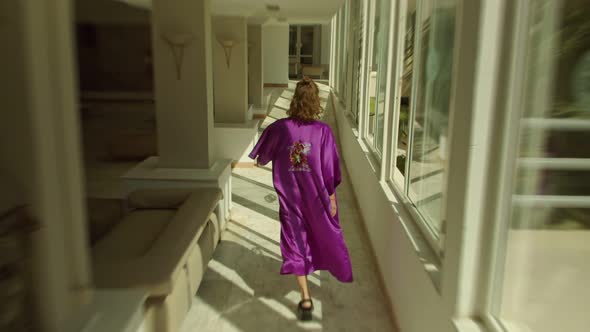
[177, 43]
[227, 45]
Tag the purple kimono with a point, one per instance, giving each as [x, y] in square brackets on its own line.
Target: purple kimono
[306, 172]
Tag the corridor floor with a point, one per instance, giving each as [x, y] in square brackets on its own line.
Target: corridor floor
[242, 289]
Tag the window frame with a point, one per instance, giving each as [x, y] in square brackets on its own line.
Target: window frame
[385, 72]
[399, 32]
[517, 18]
[354, 109]
[435, 240]
[472, 241]
[514, 52]
[366, 101]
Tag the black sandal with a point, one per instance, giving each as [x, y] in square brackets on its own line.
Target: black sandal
[305, 313]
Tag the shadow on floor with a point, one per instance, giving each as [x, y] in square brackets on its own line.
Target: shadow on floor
[255, 207]
[243, 285]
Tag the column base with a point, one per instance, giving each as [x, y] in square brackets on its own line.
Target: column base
[147, 174]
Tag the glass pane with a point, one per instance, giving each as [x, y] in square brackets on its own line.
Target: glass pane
[381, 42]
[292, 40]
[561, 143]
[358, 30]
[307, 40]
[406, 90]
[378, 74]
[436, 21]
[554, 182]
[544, 279]
[372, 72]
[344, 50]
[306, 60]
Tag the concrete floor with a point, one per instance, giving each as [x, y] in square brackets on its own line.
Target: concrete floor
[242, 289]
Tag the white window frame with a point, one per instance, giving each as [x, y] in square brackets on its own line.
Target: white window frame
[366, 101]
[384, 71]
[354, 111]
[456, 242]
[391, 106]
[503, 195]
[436, 241]
[500, 206]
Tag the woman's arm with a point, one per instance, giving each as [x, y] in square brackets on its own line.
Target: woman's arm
[333, 203]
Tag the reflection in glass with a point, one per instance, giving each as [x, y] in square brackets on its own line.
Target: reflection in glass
[378, 74]
[436, 21]
[546, 269]
[307, 34]
[405, 92]
[293, 40]
[358, 32]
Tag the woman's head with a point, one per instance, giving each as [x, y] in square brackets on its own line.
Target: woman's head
[305, 105]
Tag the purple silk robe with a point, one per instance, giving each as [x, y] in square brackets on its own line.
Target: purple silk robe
[306, 171]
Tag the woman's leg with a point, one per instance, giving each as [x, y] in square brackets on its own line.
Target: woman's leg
[302, 281]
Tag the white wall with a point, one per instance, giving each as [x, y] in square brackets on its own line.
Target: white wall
[417, 304]
[230, 83]
[275, 40]
[255, 66]
[235, 142]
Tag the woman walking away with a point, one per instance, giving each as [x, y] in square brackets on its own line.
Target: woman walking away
[306, 172]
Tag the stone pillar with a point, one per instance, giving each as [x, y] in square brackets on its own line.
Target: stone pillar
[183, 82]
[275, 37]
[230, 69]
[255, 71]
[40, 161]
[183, 78]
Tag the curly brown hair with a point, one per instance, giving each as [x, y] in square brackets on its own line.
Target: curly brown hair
[305, 105]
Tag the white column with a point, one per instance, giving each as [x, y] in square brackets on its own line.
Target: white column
[40, 153]
[183, 74]
[326, 45]
[255, 65]
[183, 81]
[276, 53]
[230, 69]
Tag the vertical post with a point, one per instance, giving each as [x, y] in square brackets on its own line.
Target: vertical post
[184, 105]
[39, 90]
[256, 84]
[230, 69]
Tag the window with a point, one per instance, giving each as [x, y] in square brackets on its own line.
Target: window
[342, 50]
[424, 88]
[542, 277]
[304, 48]
[357, 61]
[405, 90]
[377, 75]
[429, 122]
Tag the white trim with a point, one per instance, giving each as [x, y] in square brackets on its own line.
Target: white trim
[476, 72]
[367, 64]
[562, 164]
[556, 124]
[502, 179]
[551, 201]
[425, 227]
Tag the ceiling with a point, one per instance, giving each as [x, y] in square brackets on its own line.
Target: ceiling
[294, 11]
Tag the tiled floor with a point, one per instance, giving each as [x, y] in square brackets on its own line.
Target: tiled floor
[242, 289]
